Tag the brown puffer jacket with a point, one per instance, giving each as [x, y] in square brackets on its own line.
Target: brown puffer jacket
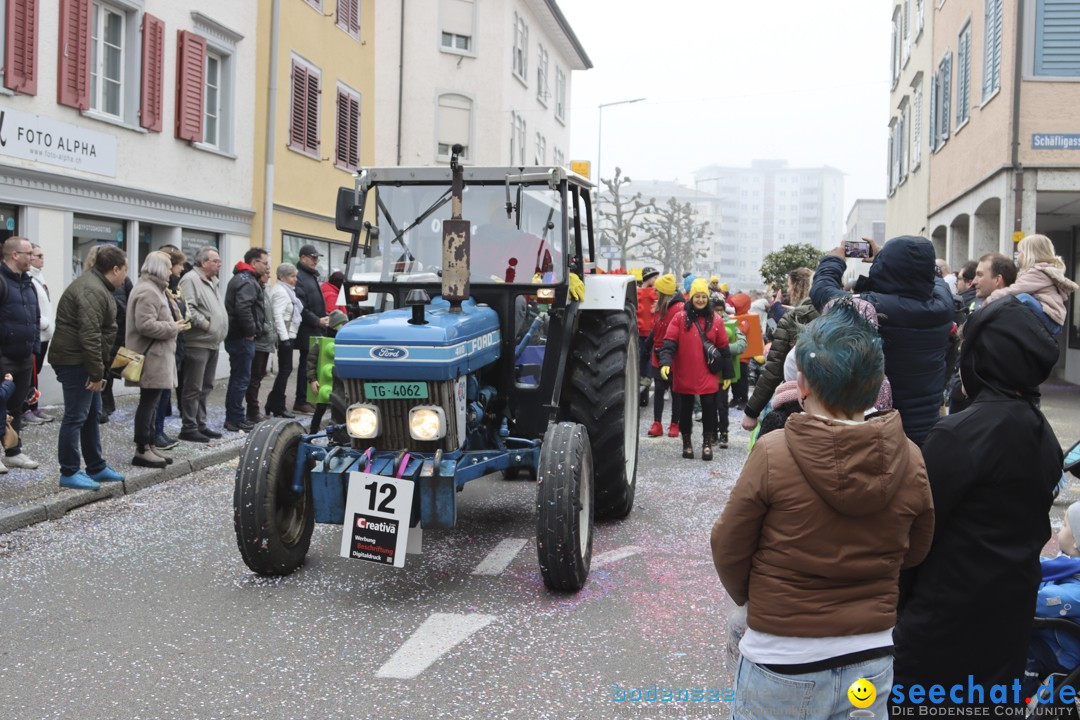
[821, 520]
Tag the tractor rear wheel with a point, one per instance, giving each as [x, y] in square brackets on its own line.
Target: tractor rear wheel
[564, 507]
[273, 523]
[604, 386]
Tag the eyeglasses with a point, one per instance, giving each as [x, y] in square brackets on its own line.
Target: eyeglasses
[39, 255]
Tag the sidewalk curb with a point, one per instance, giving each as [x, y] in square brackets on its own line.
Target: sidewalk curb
[64, 501]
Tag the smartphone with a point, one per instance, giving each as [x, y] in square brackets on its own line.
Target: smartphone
[857, 248]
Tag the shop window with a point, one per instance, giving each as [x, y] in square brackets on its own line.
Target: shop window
[334, 254]
[89, 231]
[9, 222]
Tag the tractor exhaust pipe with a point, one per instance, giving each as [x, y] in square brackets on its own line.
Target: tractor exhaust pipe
[456, 235]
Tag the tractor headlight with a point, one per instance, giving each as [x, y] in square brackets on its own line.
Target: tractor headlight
[362, 421]
[545, 296]
[358, 293]
[427, 423]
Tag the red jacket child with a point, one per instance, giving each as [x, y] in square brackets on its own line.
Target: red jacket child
[660, 325]
[684, 352]
[646, 299]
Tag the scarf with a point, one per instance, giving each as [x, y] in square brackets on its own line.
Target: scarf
[296, 306]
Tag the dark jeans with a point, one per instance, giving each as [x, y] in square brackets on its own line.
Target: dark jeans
[275, 401]
[39, 362]
[258, 372]
[80, 422]
[708, 414]
[661, 387]
[721, 399]
[303, 344]
[164, 409]
[144, 416]
[317, 416]
[241, 353]
[200, 366]
[740, 390]
[22, 372]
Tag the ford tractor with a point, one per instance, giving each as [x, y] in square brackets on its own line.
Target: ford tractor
[481, 341]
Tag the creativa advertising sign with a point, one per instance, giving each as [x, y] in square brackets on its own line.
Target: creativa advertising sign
[377, 514]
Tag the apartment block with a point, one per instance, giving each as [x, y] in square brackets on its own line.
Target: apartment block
[493, 76]
[1004, 148]
[770, 205]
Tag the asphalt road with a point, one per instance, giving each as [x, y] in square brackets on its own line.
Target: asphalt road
[141, 607]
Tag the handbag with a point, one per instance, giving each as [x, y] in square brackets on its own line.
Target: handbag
[11, 437]
[713, 360]
[131, 362]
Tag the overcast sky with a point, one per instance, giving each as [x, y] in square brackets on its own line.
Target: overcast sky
[730, 81]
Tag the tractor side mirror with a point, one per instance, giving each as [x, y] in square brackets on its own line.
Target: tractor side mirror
[349, 213]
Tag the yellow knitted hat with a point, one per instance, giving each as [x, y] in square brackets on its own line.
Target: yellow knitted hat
[665, 284]
[699, 286]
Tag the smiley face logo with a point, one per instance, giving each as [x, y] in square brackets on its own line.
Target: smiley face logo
[861, 693]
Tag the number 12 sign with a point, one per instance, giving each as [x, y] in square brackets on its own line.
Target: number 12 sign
[377, 514]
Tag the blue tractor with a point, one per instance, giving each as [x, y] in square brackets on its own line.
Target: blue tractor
[482, 342]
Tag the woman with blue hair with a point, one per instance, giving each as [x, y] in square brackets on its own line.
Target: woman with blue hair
[823, 517]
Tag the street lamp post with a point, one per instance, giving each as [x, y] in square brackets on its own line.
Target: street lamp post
[599, 138]
[600, 130]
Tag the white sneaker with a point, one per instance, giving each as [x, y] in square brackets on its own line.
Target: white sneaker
[20, 461]
[3, 468]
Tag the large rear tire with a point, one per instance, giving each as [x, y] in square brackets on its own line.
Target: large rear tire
[564, 507]
[604, 386]
[273, 523]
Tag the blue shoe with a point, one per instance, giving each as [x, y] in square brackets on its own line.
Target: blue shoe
[107, 475]
[79, 481]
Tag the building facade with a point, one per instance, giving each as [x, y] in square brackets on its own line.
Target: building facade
[770, 205]
[1004, 149]
[910, 64]
[866, 219]
[493, 76]
[314, 121]
[122, 122]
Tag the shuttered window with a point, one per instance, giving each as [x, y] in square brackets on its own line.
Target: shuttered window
[1057, 38]
[190, 68]
[304, 108]
[916, 125]
[455, 125]
[347, 153]
[932, 127]
[153, 71]
[945, 106]
[21, 46]
[73, 69]
[348, 17]
[456, 19]
[992, 49]
[212, 110]
[963, 76]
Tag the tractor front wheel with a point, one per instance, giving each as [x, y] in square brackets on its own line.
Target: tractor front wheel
[273, 524]
[564, 507]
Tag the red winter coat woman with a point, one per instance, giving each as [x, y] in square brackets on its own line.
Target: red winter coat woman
[660, 326]
[684, 352]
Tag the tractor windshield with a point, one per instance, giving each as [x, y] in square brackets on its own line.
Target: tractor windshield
[522, 246]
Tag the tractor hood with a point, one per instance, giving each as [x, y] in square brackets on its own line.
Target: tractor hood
[386, 346]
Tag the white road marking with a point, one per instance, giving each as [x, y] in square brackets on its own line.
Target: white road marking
[614, 556]
[439, 634]
[500, 558]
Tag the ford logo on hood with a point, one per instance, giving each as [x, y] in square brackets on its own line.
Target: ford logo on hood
[389, 353]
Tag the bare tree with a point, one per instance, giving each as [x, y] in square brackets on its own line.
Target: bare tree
[674, 236]
[621, 219]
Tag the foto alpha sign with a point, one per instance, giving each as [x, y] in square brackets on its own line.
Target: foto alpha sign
[42, 139]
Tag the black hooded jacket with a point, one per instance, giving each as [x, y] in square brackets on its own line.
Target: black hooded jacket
[967, 608]
[915, 311]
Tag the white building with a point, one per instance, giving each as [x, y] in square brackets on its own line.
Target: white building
[493, 76]
[93, 145]
[866, 219]
[769, 205]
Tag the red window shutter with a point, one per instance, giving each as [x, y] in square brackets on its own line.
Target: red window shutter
[354, 132]
[298, 107]
[342, 149]
[153, 71]
[73, 66]
[20, 46]
[190, 86]
[311, 113]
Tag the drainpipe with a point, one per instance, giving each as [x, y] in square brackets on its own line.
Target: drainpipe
[271, 127]
[1018, 78]
[400, 80]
